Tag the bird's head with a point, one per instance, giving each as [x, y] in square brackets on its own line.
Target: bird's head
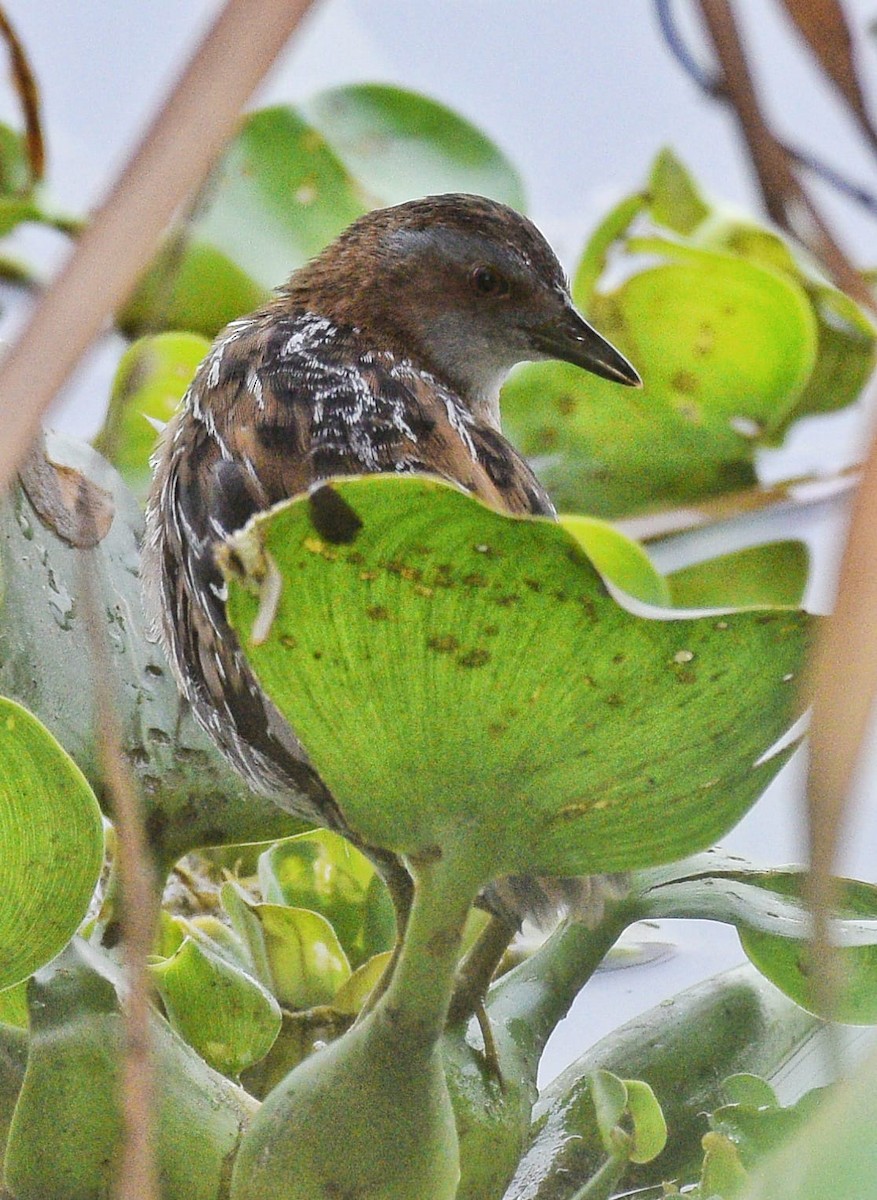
[464, 287]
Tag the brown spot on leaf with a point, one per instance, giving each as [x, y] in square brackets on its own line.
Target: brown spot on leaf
[443, 644]
[478, 657]
[685, 382]
[377, 612]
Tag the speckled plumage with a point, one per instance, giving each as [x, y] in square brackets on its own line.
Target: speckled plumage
[384, 354]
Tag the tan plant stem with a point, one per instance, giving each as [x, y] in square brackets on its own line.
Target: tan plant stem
[843, 682]
[179, 148]
[137, 1175]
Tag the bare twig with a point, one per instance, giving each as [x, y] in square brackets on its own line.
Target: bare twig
[823, 25]
[29, 97]
[178, 150]
[175, 156]
[786, 199]
[712, 86]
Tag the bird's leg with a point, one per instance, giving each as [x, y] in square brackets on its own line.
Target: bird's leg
[478, 968]
[473, 979]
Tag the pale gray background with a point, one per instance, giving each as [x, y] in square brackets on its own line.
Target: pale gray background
[581, 96]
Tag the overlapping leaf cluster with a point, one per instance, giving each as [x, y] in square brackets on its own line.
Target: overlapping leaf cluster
[520, 707]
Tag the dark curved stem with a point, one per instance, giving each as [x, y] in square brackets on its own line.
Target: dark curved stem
[708, 81]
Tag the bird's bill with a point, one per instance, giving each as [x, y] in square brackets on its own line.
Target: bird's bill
[571, 339]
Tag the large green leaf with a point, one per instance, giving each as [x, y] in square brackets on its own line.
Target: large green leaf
[724, 347]
[291, 180]
[52, 838]
[191, 796]
[734, 332]
[462, 678]
[400, 145]
[277, 197]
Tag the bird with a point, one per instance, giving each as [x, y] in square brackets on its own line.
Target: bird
[385, 353]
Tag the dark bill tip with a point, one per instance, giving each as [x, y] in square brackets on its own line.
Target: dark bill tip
[571, 339]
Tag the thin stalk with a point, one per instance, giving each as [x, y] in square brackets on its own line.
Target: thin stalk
[418, 996]
[602, 1184]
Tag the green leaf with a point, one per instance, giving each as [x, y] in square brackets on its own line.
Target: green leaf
[295, 953]
[13, 1005]
[772, 573]
[773, 921]
[225, 1014]
[724, 1175]
[322, 872]
[725, 349]
[751, 1090]
[846, 354]
[151, 379]
[351, 996]
[834, 1153]
[14, 211]
[65, 1135]
[786, 961]
[609, 1094]
[846, 343]
[52, 838]
[756, 1130]
[190, 285]
[277, 197]
[595, 256]
[308, 964]
[15, 172]
[460, 677]
[675, 200]
[291, 181]
[400, 145]
[649, 1126]
[619, 558]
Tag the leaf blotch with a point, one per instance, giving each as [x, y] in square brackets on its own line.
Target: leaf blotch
[478, 657]
[444, 644]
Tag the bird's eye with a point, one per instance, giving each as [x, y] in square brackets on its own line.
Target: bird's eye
[486, 281]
